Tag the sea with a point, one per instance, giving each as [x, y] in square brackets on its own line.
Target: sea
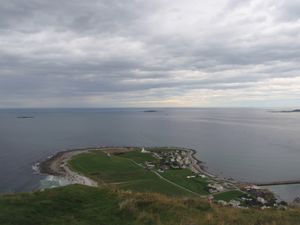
[246, 144]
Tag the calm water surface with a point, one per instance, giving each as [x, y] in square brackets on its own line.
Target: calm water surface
[245, 144]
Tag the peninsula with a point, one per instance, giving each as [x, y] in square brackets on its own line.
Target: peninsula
[141, 186]
[166, 170]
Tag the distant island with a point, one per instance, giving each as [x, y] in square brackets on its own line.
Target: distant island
[25, 117]
[150, 111]
[288, 111]
[295, 110]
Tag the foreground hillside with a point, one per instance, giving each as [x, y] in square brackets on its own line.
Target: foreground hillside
[82, 205]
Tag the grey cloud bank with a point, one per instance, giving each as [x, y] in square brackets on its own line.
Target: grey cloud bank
[149, 53]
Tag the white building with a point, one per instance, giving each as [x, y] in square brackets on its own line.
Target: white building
[216, 187]
[144, 151]
[261, 200]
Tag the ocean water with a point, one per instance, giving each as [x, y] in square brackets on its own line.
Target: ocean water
[252, 145]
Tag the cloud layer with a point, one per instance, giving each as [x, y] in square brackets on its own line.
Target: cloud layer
[149, 53]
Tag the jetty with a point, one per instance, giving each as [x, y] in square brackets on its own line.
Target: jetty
[274, 183]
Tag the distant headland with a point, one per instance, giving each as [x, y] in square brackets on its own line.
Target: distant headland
[288, 111]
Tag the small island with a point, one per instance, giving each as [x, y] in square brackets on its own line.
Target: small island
[25, 117]
[296, 110]
[150, 111]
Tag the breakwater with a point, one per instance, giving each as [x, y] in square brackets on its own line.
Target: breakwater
[274, 183]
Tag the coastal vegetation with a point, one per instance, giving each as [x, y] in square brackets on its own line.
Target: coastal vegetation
[227, 196]
[83, 205]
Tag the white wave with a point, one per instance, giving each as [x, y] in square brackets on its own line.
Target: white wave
[54, 181]
[36, 168]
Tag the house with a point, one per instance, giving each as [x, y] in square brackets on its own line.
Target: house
[216, 187]
[252, 187]
[261, 200]
[234, 203]
[222, 202]
[149, 165]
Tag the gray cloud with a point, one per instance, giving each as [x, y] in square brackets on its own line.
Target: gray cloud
[153, 53]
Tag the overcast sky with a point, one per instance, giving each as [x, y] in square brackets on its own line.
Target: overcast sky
[149, 53]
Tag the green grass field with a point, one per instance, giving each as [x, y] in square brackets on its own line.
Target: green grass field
[227, 196]
[82, 205]
[99, 166]
[122, 172]
[161, 149]
[197, 184]
[138, 157]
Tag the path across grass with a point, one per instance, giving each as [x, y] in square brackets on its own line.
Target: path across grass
[120, 170]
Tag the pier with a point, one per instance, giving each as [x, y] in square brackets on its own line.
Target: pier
[273, 183]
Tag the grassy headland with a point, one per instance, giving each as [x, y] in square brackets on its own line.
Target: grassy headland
[123, 171]
[129, 171]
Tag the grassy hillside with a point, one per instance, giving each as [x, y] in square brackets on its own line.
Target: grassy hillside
[81, 205]
[228, 195]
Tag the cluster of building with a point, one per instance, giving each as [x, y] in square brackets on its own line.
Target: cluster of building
[255, 197]
[180, 159]
[258, 197]
[173, 159]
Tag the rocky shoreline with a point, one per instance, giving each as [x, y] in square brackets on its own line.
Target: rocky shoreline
[57, 165]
